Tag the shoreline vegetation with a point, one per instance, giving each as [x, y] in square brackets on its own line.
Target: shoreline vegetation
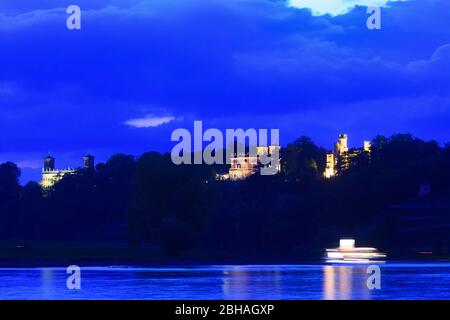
[44, 254]
[395, 198]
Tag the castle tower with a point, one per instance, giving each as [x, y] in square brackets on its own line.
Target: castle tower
[342, 144]
[88, 162]
[343, 158]
[49, 163]
[50, 175]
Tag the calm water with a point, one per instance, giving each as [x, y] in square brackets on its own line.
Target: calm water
[398, 281]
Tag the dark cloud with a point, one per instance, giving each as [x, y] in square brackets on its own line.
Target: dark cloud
[234, 63]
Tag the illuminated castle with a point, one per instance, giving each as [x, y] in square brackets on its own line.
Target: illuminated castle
[245, 165]
[50, 175]
[341, 159]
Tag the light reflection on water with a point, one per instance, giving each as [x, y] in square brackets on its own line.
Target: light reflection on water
[330, 282]
[345, 283]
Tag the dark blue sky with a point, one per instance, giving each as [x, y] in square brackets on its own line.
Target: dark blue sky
[138, 69]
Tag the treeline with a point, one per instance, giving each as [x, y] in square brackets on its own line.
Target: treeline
[151, 201]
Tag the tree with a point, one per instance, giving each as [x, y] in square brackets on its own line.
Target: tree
[31, 207]
[303, 160]
[9, 200]
[167, 192]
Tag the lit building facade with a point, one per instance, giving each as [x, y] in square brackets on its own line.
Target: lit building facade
[51, 175]
[270, 151]
[329, 169]
[244, 165]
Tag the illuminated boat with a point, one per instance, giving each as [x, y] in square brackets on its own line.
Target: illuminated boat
[348, 253]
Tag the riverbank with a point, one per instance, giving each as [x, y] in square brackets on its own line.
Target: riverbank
[46, 254]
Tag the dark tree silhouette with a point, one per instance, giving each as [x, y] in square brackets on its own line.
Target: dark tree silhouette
[180, 208]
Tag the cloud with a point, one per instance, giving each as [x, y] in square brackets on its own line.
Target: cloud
[336, 7]
[439, 61]
[148, 121]
[131, 57]
[29, 164]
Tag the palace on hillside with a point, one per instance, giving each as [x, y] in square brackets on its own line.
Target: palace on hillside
[342, 158]
[51, 175]
[244, 165]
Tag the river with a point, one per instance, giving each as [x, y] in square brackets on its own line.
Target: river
[314, 281]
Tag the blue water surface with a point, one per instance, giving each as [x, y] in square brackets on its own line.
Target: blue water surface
[315, 281]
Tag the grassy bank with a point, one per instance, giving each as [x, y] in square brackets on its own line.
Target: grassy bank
[34, 254]
[45, 253]
[37, 254]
